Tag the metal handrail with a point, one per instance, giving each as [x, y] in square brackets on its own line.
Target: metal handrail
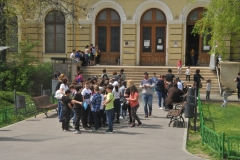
[219, 83]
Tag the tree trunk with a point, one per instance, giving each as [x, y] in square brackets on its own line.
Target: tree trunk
[2, 30]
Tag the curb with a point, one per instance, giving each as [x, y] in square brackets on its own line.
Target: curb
[185, 135]
[23, 120]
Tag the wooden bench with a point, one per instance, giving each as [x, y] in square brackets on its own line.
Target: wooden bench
[43, 104]
[176, 115]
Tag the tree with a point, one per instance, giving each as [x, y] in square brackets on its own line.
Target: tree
[17, 72]
[30, 9]
[221, 20]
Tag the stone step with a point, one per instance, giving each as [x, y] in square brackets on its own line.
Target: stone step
[136, 74]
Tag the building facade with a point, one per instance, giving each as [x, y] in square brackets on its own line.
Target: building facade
[140, 32]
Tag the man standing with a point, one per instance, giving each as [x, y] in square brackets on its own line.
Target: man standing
[169, 78]
[147, 94]
[237, 80]
[92, 54]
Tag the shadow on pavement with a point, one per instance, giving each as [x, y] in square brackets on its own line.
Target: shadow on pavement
[5, 130]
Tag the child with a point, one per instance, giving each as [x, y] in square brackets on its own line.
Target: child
[86, 94]
[224, 98]
[95, 108]
[109, 108]
[179, 65]
[117, 105]
[122, 99]
[78, 109]
[208, 89]
[67, 107]
[188, 72]
[102, 114]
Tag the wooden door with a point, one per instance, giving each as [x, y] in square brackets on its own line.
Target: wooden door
[153, 38]
[153, 46]
[108, 36]
[203, 55]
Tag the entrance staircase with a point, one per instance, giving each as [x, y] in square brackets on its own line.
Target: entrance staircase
[136, 74]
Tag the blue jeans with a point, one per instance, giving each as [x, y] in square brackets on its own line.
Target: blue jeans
[109, 115]
[192, 58]
[161, 96]
[60, 116]
[147, 100]
[73, 115]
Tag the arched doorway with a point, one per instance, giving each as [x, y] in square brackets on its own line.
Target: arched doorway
[201, 56]
[108, 35]
[153, 38]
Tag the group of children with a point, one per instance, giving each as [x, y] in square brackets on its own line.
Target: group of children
[94, 102]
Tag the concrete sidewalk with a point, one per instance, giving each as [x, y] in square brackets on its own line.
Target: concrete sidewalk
[41, 138]
[219, 98]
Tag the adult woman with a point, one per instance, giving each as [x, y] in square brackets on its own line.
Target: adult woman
[86, 55]
[60, 78]
[63, 88]
[97, 55]
[197, 80]
[238, 84]
[160, 91]
[127, 94]
[133, 101]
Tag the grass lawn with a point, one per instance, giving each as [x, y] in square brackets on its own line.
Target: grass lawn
[218, 119]
[222, 119]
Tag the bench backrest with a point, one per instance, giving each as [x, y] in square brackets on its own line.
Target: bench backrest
[42, 101]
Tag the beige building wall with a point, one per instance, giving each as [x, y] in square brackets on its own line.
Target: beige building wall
[130, 13]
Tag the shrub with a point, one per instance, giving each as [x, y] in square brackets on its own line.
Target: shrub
[7, 98]
[41, 75]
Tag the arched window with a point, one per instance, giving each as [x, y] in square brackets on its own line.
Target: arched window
[13, 34]
[55, 32]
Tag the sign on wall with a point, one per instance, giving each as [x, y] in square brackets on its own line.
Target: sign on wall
[129, 44]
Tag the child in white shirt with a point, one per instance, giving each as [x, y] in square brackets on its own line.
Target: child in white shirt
[208, 89]
[188, 72]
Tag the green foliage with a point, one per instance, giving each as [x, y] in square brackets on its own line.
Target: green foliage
[18, 69]
[41, 75]
[7, 98]
[23, 73]
[221, 20]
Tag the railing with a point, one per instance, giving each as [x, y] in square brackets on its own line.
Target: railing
[225, 147]
[10, 115]
[219, 83]
[233, 145]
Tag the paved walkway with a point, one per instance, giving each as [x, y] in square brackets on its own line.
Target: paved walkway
[217, 97]
[41, 138]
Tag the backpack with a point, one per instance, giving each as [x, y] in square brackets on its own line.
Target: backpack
[93, 51]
